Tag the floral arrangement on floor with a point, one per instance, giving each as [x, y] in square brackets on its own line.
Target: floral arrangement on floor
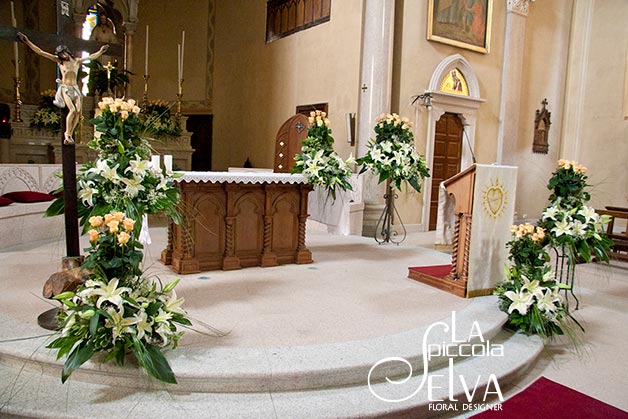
[392, 154]
[157, 119]
[571, 225]
[47, 115]
[117, 310]
[122, 178]
[531, 294]
[319, 163]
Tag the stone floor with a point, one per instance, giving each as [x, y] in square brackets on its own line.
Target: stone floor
[354, 290]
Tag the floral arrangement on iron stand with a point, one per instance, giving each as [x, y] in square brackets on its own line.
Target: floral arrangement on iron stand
[574, 229]
[318, 162]
[393, 157]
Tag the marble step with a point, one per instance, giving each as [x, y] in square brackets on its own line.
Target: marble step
[30, 392]
[285, 368]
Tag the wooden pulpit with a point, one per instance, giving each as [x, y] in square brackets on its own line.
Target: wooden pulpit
[484, 210]
[288, 142]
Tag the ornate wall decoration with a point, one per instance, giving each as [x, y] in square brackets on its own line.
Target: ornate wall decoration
[521, 7]
[542, 124]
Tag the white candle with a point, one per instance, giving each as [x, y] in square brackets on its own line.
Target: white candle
[168, 162]
[146, 54]
[154, 160]
[182, 52]
[15, 50]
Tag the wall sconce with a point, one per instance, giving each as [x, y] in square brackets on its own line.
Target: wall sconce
[426, 99]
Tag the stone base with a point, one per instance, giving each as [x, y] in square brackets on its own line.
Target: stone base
[372, 213]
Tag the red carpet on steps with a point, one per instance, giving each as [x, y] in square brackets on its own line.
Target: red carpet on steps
[546, 399]
[438, 271]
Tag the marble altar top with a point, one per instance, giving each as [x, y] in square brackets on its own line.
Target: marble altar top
[240, 177]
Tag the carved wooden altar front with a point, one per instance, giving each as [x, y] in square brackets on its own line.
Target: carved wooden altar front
[231, 221]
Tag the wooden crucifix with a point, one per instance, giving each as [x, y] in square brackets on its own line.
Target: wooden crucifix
[68, 96]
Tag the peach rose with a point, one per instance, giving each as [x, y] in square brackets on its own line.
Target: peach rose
[123, 238]
[124, 114]
[113, 226]
[118, 216]
[108, 218]
[95, 221]
[128, 224]
[93, 235]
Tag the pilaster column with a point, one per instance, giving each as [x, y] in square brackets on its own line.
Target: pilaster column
[129, 31]
[514, 43]
[375, 93]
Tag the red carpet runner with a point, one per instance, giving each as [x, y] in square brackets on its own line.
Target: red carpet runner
[545, 399]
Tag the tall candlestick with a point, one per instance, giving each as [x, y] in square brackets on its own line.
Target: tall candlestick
[15, 50]
[146, 54]
[168, 162]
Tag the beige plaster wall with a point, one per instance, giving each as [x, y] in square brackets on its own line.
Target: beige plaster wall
[257, 86]
[603, 144]
[548, 28]
[416, 59]
[166, 20]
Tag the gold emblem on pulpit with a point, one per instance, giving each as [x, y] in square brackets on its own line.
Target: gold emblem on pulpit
[494, 199]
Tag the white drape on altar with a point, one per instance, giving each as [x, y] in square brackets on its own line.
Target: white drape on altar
[493, 214]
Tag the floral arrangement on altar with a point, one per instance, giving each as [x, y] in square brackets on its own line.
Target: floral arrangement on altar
[122, 177]
[157, 119]
[117, 310]
[531, 293]
[572, 225]
[319, 163]
[392, 155]
[47, 115]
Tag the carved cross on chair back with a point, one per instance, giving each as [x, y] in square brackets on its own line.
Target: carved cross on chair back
[288, 142]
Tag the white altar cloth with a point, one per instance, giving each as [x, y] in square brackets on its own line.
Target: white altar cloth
[240, 177]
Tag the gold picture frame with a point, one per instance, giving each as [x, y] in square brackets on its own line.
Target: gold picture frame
[461, 23]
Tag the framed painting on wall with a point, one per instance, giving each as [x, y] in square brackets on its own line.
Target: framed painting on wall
[462, 23]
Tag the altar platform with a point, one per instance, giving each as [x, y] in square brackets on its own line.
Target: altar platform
[300, 339]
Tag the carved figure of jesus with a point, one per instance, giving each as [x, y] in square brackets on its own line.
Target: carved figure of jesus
[68, 93]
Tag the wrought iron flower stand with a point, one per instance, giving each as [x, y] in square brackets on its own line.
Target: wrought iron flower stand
[385, 232]
[565, 270]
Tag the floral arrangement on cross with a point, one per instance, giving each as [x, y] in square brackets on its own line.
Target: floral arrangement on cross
[392, 155]
[318, 162]
[531, 292]
[118, 311]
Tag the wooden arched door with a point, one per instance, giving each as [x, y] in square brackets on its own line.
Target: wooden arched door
[447, 155]
[288, 142]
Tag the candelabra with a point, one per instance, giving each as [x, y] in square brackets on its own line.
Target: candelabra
[145, 97]
[18, 100]
[179, 96]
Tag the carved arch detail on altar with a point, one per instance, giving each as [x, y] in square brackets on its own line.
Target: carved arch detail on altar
[441, 102]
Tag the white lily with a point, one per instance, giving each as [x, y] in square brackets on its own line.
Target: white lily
[138, 166]
[588, 213]
[87, 193]
[119, 323]
[133, 187]
[143, 325]
[533, 287]
[110, 292]
[162, 316]
[520, 301]
[563, 227]
[173, 304]
[547, 302]
[550, 213]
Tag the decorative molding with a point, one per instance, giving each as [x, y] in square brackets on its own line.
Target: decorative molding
[449, 63]
[521, 7]
[211, 35]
